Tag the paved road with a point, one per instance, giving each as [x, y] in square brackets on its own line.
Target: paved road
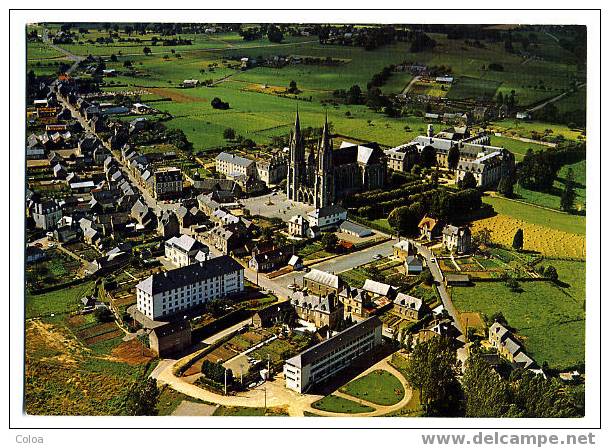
[275, 394]
[440, 284]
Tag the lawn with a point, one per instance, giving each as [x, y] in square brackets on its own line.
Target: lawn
[535, 215]
[550, 318]
[333, 403]
[552, 198]
[517, 147]
[61, 301]
[473, 88]
[379, 387]
[524, 128]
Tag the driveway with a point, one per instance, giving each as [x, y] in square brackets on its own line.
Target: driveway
[440, 284]
[275, 394]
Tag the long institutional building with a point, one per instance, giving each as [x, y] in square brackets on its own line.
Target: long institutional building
[178, 290]
[487, 163]
[332, 355]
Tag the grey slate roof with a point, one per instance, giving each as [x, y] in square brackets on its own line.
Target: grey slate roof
[187, 275]
[324, 278]
[318, 351]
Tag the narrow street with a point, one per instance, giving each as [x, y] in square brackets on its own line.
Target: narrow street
[440, 284]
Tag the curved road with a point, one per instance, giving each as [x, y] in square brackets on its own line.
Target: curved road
[274, 394]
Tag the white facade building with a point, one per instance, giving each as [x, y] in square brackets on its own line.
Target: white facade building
[181, 289]
[186, 250]
[332, 355]
[328, 216]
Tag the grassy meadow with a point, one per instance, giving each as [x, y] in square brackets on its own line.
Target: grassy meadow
[549, 318]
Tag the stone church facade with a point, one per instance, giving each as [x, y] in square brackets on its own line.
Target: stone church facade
[326, 174]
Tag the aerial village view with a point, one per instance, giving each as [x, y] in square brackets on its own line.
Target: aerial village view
[305, 220]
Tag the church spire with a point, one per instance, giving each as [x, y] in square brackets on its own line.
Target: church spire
[325, 148]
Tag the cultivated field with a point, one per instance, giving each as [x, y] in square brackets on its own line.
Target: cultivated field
[551, 233]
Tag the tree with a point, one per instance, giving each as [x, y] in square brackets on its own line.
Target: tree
[551, 273]
[468, 181]
[505, 186]
[103, 314]
[274, 34]
[568, 195]
[113, 57]
[486, 394]
[432, 369]
[292, 88]
[217, 103]
[142, 398]
[147, 50]
[229, 134]
[453, 157]
[330, 241]
[428, 156]
[404, 220]
[354, 95]
[518, 240]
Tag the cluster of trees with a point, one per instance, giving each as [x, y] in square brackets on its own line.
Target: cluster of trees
[156, 132]
[443, 205]
[508, 99]
[575, 118]
[538, 170]
[523, 394]
[217, 103]
[380, 78]
[292, 87]
[422, 42]
[483, 392]
[351, 96]
[214, 371]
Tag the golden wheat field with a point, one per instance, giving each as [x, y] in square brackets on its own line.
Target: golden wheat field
[549, 242]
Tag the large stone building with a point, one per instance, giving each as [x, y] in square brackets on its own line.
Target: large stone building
[185, 250]
[167, 293]
[487, 163]
[322, 311]
[166, 183]
[46, 214]
[233, 166]
[332, 355]
[325, 175]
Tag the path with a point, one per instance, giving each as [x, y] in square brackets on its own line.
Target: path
[555, 98]
[408, 87]
[275, 394]
[440, 284]
[227, 331]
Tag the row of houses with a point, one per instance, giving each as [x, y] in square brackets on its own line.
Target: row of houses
[163, 183]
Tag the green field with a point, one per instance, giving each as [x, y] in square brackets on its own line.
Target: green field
[340, 405]
[473, 88]
[379, 387]
[525, 128]
[538, 216]
[552, 199]
[549, 317]
[517, 147]
[61, 301]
